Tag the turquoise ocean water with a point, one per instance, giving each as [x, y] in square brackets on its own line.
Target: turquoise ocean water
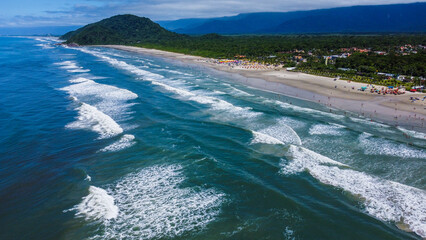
[97, 143]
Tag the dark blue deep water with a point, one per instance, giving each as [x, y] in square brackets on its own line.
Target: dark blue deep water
[97, 143]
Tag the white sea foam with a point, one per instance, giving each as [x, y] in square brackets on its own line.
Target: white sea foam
[67, 65]
[87, 87]
[177, 72]
[93, 119]
[237, 91]
[40, 39]
[125, 142]
[123, 65]
[80, 70]
[79, 80]
[414, 134]
[109, 99]
[216, 103]
[289, 233]
[294, 123]
[369, 122]
[64, 63]
[71, 66]
[178, 91]
[386, 200]
[219, 104]
[305, 159]
[380, 147]
[216, 92]
[97, 205]
[259, 137]
[305, 110]
[153, 205]
[47, 39]
[88, 178]
[45, 46]
[326, 129]
[283, 133]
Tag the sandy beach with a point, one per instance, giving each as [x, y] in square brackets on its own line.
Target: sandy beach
[397, 110]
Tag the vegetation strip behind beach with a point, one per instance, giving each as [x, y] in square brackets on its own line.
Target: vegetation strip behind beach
[396, 60]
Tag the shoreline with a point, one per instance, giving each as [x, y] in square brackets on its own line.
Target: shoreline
[396, 110]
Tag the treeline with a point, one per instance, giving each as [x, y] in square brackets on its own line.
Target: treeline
[411, 65]
[213, 45]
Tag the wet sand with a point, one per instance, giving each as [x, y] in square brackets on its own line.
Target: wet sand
[396, 110]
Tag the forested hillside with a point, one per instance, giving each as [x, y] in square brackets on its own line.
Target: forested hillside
[120, 29]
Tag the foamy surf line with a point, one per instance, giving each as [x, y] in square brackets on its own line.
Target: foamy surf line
[86, 87]
[93, 119]
[125, 141]
[97, 205]
[276, 134]
[45, 46]
[286, 135]
[259, 137]
[377, 146]
[150, 204]
[90, 117]
[216, 103]
[327, 129]
[412, 133]
[383, 199]
[72, 67]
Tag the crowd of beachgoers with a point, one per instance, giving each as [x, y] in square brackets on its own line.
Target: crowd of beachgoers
[383, 90]
[252, 65]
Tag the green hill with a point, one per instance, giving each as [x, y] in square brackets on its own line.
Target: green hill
[120, 29]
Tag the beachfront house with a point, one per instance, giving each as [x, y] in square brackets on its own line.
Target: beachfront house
[380, 53]
[403, 78]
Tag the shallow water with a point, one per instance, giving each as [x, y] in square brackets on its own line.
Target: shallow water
[104, 144]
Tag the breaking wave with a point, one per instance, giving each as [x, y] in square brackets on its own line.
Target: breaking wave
[414, 134]
[153, 205]
[125, 141]
[282, 132]
[259, 137]
[92, 119]
[97, 205]
[383, 199]
[109, 103]
[72, 67]
[325, 129]
[379, 146]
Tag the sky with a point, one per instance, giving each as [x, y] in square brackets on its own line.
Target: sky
[34, 13]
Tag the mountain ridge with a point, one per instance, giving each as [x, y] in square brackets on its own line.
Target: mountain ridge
[391, 18]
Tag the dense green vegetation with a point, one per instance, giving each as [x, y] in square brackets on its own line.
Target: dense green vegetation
[120, 29]
[253, 46]
[272, 49]
[261, 48]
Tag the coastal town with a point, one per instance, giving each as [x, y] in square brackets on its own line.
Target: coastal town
[330, 63]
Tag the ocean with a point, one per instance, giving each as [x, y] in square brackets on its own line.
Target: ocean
[97, 143]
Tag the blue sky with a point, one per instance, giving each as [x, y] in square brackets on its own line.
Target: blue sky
[31, 13]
